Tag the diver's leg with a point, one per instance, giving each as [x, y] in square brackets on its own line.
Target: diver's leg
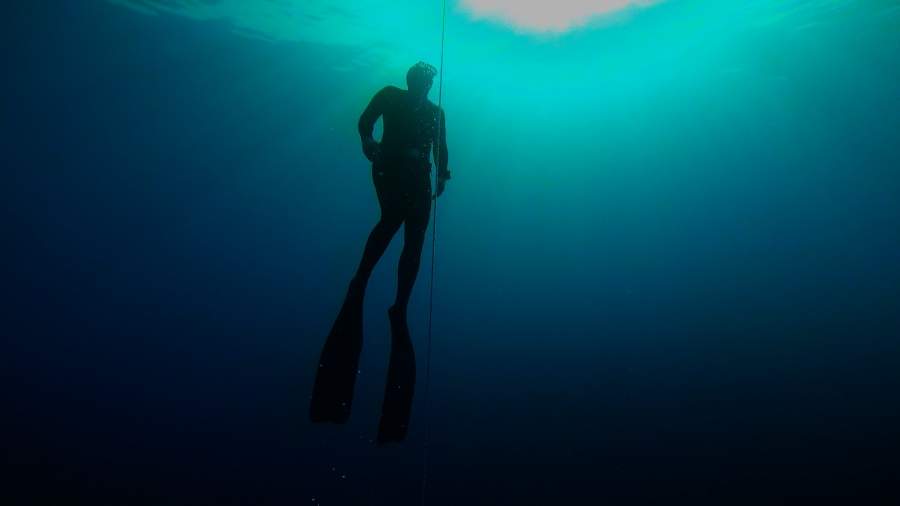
[338, 363]
[401, 377]
[379, 240]
[414, 238]
[392, 214]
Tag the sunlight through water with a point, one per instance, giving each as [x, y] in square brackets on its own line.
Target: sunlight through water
[548, 16]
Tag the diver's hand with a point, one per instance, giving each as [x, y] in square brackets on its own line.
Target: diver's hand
[441, 183]
[371, 149]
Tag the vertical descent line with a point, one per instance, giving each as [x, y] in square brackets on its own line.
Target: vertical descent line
[437, 163]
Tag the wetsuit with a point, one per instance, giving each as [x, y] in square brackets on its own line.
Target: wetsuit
[402, 179]
[401, 175]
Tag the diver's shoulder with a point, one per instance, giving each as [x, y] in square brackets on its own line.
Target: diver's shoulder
[390, 90]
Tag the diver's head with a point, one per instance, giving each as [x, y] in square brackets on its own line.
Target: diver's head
[419, 79]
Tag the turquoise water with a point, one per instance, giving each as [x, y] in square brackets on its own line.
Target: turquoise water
[666, 268]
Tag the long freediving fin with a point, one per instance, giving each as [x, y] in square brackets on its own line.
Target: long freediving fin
[401, 381]
[338, 366]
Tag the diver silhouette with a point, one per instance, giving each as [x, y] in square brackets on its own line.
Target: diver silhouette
[401, 172]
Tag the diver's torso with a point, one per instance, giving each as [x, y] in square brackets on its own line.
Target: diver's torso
[408, 129]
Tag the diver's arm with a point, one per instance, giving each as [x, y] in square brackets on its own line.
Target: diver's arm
[440, 155]
[440, 148]
[367, 124]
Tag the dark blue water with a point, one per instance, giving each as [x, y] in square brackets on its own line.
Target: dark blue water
[703, 312]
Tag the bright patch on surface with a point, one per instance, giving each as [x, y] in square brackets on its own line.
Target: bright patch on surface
[548, 15]
[616, 49]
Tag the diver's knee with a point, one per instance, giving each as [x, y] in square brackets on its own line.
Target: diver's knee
[417, 239]
[390, 222]
[412, 253]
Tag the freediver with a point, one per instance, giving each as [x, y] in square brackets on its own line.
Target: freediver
[414, 127]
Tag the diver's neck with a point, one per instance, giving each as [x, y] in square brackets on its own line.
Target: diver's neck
[414, 100]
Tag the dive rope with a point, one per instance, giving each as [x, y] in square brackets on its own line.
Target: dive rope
[437, 163]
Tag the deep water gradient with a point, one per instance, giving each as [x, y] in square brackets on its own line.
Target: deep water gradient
[668, 265]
